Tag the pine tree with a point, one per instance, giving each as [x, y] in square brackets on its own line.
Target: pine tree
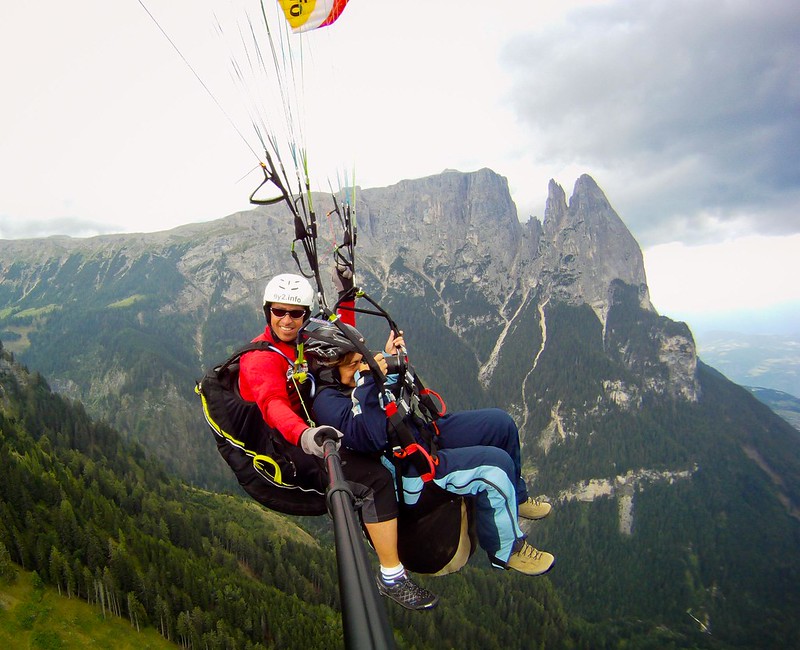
[8, 571]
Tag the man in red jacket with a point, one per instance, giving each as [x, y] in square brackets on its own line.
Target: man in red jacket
[263, 379]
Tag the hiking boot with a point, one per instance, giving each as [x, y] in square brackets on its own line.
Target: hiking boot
[530, 561]
[406, 593]
[534, 509]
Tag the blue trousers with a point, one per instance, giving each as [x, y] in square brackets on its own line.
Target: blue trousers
[479, 456]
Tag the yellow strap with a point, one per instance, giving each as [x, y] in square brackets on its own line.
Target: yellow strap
[259, 463]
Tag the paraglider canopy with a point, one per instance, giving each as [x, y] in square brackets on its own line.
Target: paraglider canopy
[304, 15]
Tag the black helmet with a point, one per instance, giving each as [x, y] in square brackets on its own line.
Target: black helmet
[326, 345]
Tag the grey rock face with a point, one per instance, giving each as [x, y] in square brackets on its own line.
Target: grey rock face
[585, 246]
[455, 228]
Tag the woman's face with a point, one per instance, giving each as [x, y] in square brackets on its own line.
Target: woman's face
[347, 368]
[287, 321]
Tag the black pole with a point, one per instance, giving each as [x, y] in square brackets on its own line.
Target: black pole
[366, 625]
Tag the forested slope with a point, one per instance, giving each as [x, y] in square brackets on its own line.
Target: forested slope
[95, 519]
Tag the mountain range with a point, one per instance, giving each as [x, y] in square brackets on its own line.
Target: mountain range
[676, 492]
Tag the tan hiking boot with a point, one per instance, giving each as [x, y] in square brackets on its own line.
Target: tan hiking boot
[534, 509]
[530, 561]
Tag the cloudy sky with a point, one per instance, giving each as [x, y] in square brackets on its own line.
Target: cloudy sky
[685, 112]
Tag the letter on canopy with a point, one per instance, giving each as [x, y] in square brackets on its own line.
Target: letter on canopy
[304, 15]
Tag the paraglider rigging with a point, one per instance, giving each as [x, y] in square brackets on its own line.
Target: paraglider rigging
[284, 166]
[266, 44]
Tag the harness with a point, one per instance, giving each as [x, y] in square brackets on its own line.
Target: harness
[410, 401]
[276, 473]
[413, 404]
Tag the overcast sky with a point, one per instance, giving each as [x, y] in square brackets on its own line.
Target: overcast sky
[685, 112]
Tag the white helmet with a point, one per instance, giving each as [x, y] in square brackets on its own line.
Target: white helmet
[289, 289]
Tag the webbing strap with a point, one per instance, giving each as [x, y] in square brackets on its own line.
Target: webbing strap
[408, 446]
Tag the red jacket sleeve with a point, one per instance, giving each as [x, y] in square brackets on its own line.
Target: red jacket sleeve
[348, 316]
[262, 379]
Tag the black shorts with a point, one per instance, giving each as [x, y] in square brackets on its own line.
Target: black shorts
[372, 484]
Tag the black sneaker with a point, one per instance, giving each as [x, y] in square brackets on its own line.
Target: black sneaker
[406, 593]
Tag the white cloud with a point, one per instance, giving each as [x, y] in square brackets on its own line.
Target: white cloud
[744, 274]
[677, 107]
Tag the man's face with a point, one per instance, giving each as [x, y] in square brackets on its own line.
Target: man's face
[287, 321]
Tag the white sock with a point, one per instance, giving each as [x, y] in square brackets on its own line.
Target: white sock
[392, 574]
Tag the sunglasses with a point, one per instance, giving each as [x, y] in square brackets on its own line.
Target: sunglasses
[294, 313]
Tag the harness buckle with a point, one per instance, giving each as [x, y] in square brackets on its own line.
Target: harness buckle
[415, 448]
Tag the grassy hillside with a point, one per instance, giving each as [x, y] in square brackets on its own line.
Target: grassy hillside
[35, 616]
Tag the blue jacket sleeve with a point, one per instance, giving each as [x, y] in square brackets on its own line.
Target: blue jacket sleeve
[358, 416]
